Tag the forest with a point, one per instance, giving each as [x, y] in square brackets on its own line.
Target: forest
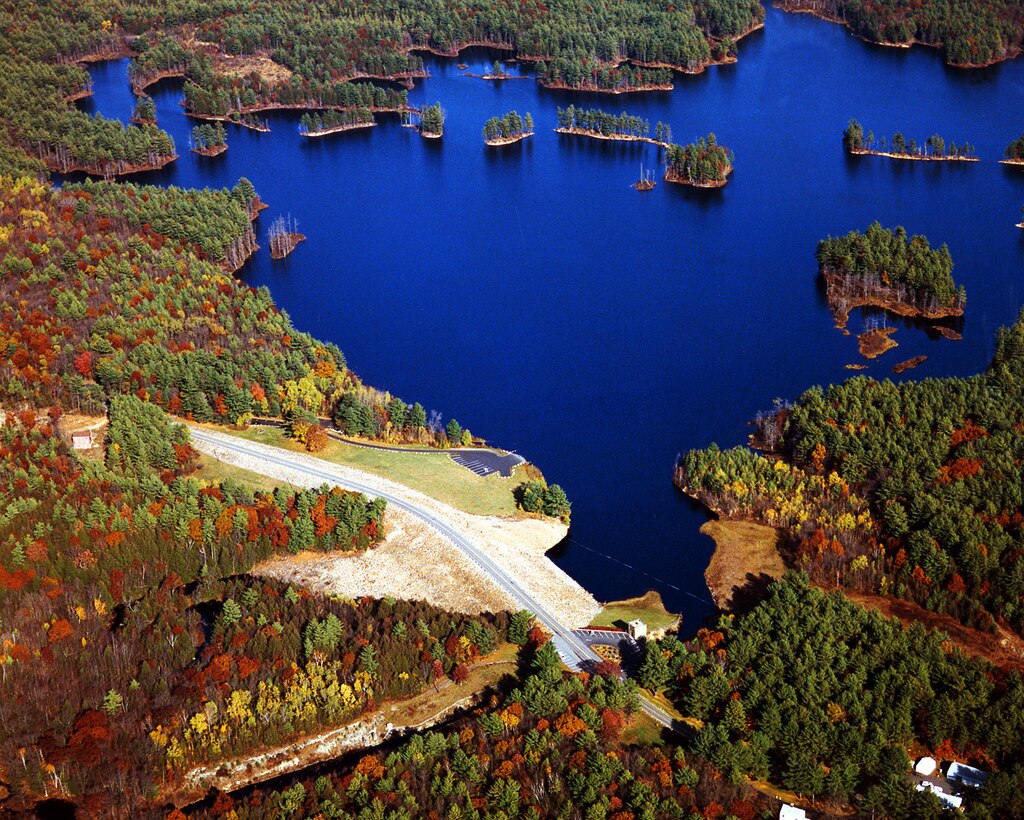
[823, 698]
[912, 490]
[969, 32]
[886, 264]
[319, 49]
[127, 289]
[856, 141]
[701, 163]
[554, 745]
[128, 576]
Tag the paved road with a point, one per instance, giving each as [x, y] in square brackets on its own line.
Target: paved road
[480, 460]
[574, 652]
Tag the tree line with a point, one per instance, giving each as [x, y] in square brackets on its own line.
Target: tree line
[854, 139]
[508, 126]
[969, 33]
[602, 122]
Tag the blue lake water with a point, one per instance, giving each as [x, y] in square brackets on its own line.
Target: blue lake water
[533, 295]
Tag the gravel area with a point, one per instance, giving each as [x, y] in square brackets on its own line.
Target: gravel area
[416, 561]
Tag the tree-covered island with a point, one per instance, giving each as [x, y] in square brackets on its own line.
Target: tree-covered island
[598, 124]
[1014, 154]
[702, 164]
[886, 269]
[508, 129]
[209, 139]
[934, 149]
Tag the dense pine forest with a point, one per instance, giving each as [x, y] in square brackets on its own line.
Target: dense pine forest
[912, 490]
[823, 698]
[969, 32]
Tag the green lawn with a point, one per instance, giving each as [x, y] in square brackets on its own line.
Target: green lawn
[215, 471]
[434, 475]
[647, 608]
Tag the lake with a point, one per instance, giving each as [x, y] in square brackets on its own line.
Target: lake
[531, 293]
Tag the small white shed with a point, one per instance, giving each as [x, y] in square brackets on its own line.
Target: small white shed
[637, 629]
[926, 766]
[82, 440]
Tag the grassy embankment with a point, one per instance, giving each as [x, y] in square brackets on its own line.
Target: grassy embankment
[648, 608]
[434, 475]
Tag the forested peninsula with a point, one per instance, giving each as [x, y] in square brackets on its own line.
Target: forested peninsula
[970, 33]
[883, 491]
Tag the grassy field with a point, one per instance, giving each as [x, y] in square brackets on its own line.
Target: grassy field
[434, 475]
[215, 471]
[427, 704]
[745, 561]
[648, 608]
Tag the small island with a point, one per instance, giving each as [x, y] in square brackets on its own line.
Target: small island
[598, 124]
[1014, 154]
[429, 121]
[145, 111]
[283, 237]
[508, 129]
[702, 164]
[209, 139]
[935, 148]
[334, 122]
[886, 269]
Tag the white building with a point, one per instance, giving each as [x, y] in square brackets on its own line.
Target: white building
[788, 812]
[951, 800]
[926, 766]
[968, 775]
[637, 629]
[81, 441]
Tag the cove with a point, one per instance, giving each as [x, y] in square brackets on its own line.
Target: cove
[532, 294]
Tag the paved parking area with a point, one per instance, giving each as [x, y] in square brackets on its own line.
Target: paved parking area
[486, 462]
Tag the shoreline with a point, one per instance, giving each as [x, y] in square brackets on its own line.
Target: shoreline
[679, 179]
[1018, 162]
[429, 135]
[1012, 52]
[597, 135]
[861, 152]
[497, 142]
[293, 239]
[842, 315]
[337, 129]
[97, 170]
[742, 549]
[558, 85]
[211, 151]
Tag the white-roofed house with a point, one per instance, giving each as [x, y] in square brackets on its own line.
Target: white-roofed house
[788, 812]
[968, 775]
[926, 766]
